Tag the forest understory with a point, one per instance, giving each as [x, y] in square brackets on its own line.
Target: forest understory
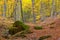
[46, 30]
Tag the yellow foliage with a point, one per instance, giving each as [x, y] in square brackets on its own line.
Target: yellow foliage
[1, 2]
[28, 3]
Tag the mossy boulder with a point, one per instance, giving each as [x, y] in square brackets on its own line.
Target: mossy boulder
[18, 26]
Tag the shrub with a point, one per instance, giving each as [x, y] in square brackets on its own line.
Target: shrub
[44, 37]
[38, 27]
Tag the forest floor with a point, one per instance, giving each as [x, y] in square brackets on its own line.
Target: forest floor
[51, 26]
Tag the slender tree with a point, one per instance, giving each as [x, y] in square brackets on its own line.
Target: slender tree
[53, 13]
[4, 11]
[34, 16]
[17, 10]
[42, 8]
[21, 10]
[13, 15]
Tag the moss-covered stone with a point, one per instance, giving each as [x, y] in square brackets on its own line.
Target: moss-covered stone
[17, 27]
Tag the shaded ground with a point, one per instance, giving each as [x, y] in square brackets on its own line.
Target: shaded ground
[47, 30]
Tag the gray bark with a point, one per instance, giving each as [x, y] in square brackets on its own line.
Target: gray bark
[42, 8]
[17, 11]
[21, 10]
[53, 12]
[4, 10]
[13, 15]
[34, 16]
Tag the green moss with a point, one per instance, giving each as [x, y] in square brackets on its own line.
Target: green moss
[17, 27]
[20, 25]
[38, 27]
[44, 37]
[17, 23]
[25, 27]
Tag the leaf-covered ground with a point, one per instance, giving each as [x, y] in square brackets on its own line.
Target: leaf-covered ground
[51, 26]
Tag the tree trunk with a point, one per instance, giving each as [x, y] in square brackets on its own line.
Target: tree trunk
[34, 16]
[53, 13]
[42, 11]
[4, 11]
[21, 10]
